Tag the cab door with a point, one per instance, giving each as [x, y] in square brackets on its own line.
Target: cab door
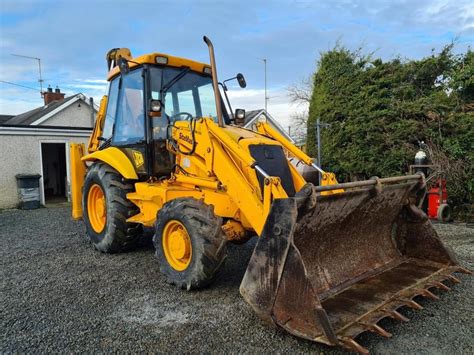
[129, 129]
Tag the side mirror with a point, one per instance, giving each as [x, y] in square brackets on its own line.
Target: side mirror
[241, 80]
[123, 65]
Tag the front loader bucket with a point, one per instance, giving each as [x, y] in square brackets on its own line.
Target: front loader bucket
[327, 268]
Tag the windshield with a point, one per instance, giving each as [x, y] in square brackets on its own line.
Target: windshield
[184, 93]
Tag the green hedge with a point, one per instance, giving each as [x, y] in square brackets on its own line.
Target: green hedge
[379, 110]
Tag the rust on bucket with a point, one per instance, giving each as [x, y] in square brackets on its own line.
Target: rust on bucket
[330, 270]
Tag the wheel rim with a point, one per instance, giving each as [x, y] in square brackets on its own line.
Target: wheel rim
[96, 210]
[177, 245]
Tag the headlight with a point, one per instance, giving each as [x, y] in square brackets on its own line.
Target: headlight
[155, 105]
[161, 60]
[239, 114]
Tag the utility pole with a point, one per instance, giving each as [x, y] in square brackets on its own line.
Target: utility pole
[266, 97]
[318, 140]
[39, 67]
[320, 125]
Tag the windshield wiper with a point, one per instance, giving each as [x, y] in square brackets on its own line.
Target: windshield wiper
[173, 81]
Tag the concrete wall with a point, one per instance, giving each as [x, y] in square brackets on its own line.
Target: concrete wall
[22, 155]
[76, 115]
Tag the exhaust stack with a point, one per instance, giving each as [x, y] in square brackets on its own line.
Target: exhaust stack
[215, 82]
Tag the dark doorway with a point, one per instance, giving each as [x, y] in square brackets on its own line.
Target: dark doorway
[54, 172]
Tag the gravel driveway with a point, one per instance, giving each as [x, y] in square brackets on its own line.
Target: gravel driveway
[59, 295]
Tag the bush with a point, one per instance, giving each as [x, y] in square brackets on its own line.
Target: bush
[379, 111]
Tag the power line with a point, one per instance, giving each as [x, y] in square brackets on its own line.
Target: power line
[23, 86]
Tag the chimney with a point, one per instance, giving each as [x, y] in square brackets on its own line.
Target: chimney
[50, 96]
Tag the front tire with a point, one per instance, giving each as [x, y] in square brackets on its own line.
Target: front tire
[190, 246]
[106, 209]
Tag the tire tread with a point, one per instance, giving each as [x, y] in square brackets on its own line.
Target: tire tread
[209, 243]
[119, 236]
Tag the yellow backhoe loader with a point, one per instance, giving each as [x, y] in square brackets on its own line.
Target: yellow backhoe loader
[331, 260]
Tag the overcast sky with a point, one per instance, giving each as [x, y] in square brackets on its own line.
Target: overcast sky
[72, 38]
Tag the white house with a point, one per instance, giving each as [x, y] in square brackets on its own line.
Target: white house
[37, 142]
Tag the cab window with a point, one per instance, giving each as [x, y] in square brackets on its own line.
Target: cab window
[111, 109]
[186, 103]
[185, 95]
[129, 125]
[208, 101]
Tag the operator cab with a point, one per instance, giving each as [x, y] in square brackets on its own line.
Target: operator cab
[137, 91]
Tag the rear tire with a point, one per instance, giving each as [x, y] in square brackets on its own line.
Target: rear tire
[106, 225]
[207, 244]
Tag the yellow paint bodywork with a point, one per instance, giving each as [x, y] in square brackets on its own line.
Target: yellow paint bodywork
[329, 179]
[151, 196]
[116, 159]
[176, 62]
[93, 144]
[78, 172]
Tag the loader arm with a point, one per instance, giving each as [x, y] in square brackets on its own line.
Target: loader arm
[224, 158]
[267, 130]
[327, 178]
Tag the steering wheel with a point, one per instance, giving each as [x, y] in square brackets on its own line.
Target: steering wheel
[189, 117]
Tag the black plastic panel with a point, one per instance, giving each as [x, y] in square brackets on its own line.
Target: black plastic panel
[272, 159]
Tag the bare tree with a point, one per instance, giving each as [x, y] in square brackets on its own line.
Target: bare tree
[300, 94]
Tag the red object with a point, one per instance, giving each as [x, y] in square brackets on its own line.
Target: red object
[437, 195]
[50, 96]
